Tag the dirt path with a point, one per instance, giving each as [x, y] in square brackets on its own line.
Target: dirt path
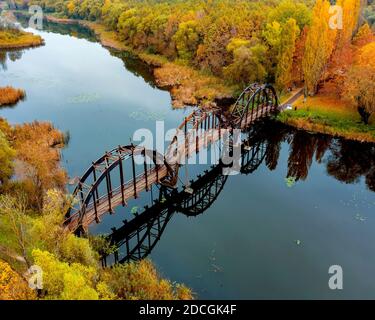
[298, 92]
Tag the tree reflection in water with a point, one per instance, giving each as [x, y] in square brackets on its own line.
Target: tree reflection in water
[12, 55]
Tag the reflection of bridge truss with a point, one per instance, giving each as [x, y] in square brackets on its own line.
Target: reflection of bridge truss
[136, 238]
[206, 190]
[112, 180]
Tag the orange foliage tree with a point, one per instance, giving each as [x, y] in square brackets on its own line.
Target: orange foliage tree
[38, 153]
[12, 285]
[319, 46]
[360, 84]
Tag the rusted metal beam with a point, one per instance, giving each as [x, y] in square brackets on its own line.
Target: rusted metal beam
[122, 182]
[145, 167]
[134, 176]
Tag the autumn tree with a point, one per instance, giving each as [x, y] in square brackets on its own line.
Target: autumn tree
[12, 285]
[65, 281]
[38, 153]
[366, 55]
[360, 84]
[350, 16]
[48, 230]
[187, 39]
[111, 12]
[319, 46]
[16, 223]
[288, 9]
[140, 281]
[7, 155]
[364, 35]
[248, 62]
[288, 39]
[272, 37]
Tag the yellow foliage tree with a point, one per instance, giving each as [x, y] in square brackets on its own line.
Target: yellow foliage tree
[140, 281]
[71, 7]
[7, 155]
[364, 35]
[286, 51]
[360, 82]
[48, 232]
[38, 147]
[12, 285]
[319, 46]
[360, 89]
[65, 281]
[367, 55]
[350, 16]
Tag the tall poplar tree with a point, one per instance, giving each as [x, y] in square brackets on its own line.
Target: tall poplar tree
[319, 46]
[288, 39]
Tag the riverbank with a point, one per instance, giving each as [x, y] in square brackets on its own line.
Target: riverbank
[10, 96]
[18, 39]
[186, 85]
[329, 115]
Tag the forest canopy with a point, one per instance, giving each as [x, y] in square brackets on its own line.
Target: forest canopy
[286, 42]
[220, 37]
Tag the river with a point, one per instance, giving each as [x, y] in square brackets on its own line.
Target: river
[265, 235]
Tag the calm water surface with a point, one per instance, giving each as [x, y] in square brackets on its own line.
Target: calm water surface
[265, 236]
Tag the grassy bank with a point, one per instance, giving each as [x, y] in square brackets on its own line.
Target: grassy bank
[18, 39]
[327, 114]
[9, 96]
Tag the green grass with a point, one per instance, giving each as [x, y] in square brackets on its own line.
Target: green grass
[329, 122]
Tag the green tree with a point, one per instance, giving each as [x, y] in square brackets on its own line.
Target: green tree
[49, 234]
[187, 39]
[7, 154]
[248, 62]
[65, 281]
[288, 9]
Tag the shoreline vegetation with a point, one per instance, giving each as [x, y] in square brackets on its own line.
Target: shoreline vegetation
[18, 39]
[10, 96]
[13, 39]
[33, 203]
[186, 85]
[328, 115]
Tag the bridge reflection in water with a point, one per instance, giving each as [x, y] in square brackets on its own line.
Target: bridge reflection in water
[104, 185]
[346, 161]
[136, 238]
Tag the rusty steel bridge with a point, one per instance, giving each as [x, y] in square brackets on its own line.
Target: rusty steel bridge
[113, 180]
